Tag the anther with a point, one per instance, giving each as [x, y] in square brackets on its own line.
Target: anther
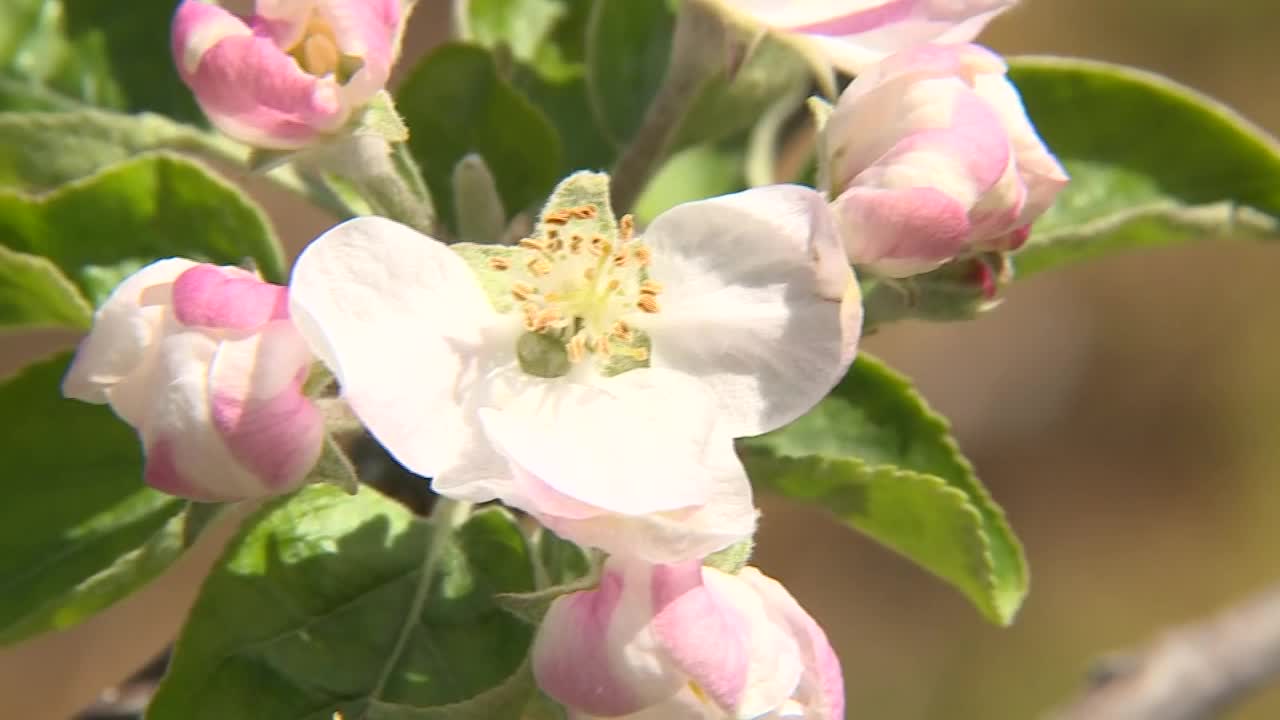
[599, 246]
[575, 244]
[650, 287]
[530, 313]
[540, 267]
[642, 254]
[558, 217]
[621, 331]
[545, 318]
[602, 346]
[531, 244]
[522, 292]
[620, 258]
[583, 212]
[576, 348]
[626, 227]
[648, 303]
[498, 263]
[613, 285]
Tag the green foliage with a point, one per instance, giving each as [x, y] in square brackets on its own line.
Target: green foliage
[79, 528]
[877, 457]
[102, 228]
[1152, 163]
[57, 54]
[701, 171]
[39, 151]
[35, 293]
[456, 103]
[310, 611]
[628, 46]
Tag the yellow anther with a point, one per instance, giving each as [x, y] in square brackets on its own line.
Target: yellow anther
[555, 244]
[649, 287]
[602, 346]
[575, 244]
[599, 246]
[621, 331]
[557, 217]
[545, 318]
[522, 292]
[642, 254]
[552, 233]
[589, 274]
[620, 258]
[530, 313]
[648, 303]
[626, 227]
[531, 244]
[498, 263]
[583, 212]
[539, 267]
[576, 348]
[613, 285]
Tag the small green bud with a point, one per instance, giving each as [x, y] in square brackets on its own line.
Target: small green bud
[542, 355]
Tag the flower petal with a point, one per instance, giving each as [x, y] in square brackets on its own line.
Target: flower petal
[257, 405]
[125, 330]
[747, 305]
[631, 444]
[227, 298]
[594, 651]
[400, 320]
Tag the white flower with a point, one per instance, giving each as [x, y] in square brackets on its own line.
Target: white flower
[735, 315]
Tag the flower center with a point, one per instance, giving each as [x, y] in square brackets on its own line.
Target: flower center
[317, 52]
[574, 291]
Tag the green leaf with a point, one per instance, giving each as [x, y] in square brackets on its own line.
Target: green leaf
[1152, 163]
[39, 151]
[456, 103]
[79, 528]
[628, 48]
[699, 172]
[521, 27]
[305, 615]
[35, 293]
[55, 54]
[876, 456]
[106, 226]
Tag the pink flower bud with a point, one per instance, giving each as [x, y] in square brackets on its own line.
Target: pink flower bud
[290, 72]
[929, 155]
[686, 641]
[854, 34]
[204, 363]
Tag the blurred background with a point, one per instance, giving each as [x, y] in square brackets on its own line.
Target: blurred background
[1125, 413]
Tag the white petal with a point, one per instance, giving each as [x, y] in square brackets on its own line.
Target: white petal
[631, 444]
[752, 304]
[125, 330]
[402, 323]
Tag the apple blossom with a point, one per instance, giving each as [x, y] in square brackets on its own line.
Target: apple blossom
[600, 383]
[854, 34]
[930, 154]
[686, 642]
[291, 71]
[204, 363]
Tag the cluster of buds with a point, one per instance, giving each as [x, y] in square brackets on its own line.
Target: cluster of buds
[593, 376]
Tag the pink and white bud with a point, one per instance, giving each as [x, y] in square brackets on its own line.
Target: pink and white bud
[929, 155]
[205, 364]
[290, 72]
[686, 641]
[854, 34]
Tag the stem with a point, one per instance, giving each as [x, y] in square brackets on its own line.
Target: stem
[445, 517]
[388, 178]
[697, 45]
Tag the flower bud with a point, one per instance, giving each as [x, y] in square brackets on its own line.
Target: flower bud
[854, 34]
[290, 72]
[205, 364]
[686, 641]
[929, 155]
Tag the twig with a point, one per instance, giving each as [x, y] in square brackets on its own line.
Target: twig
[1192, 672]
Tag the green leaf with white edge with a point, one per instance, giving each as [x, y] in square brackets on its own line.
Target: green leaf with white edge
[39, 151]
[874, 454]
[331, 603]
[104, 227]
[456, 103]
[628, 48]
[1167, 166]
[34, 293]
[56, 54]
[79, 528]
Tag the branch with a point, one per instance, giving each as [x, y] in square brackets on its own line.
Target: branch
[1190, 673]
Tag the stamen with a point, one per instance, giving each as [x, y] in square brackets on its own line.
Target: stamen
[531, 244]
[498, 263]
[545, 318]
[558, 217]
[584, 212]
[621, 331]
[540, 267]
[522, 291]
[642, 254]
[650, 287]
[530, 313]
[589, 274]
[648, 303]
[599, 246]
[577, 347]
[626, 227]
[613, 285]
[575, 244]
[602, 346]
[620, 258]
